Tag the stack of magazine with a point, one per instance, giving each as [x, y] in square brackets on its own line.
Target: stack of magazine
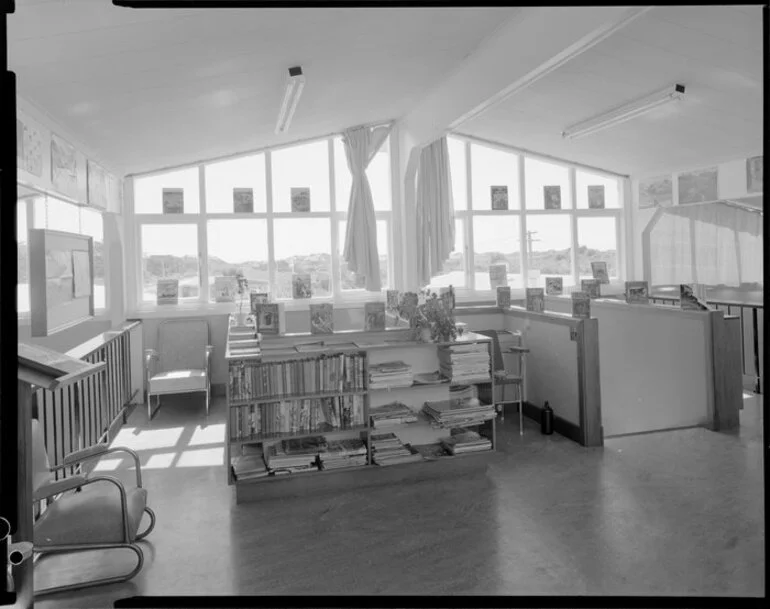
[250, 464]
[348, 452]
[458, 413]
[389, 375]
[465, 363]
[387, 449]
[295, 454]
[394, 413]
[465, 441]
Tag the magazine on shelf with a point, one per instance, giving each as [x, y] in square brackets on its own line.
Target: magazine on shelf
[690, 300]
[554, 286]
[504, 296]
[637, 292]
[592, 287]
[391, 302]
[168, 291]
[499, 197]
[300, 200]
[173, 200]
[269, 317]
[243, 200]
[374, 316]
[535, 300]
[581, 305]
[310, 347]
[599, 271]
[322, 318]
[301, 286]
[256, 298]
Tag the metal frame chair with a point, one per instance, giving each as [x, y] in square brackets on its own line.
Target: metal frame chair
[87, 510]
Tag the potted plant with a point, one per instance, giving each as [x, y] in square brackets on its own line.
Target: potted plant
[430, 315]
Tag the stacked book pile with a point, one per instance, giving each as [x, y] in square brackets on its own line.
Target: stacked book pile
[392, 414]
[250, 464]
[465, 441]
[389, 375]
[465, 363]
[458, 413]
[348, 452]
[387, 449]
[295, 454]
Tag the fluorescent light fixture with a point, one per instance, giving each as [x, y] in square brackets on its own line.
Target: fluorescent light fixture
[294, 86]
[625, 112]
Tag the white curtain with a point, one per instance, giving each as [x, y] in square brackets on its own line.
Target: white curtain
[727, 246]
[435, 211]
[360, 253]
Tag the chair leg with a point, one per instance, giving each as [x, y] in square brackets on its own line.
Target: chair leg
[208, 399]
[151, 514]
[98, 582]
[521, 416]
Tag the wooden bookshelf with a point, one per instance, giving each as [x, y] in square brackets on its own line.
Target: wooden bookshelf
[367, 348]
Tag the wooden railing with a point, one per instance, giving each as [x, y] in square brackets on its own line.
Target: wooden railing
[752, 322]
[89, 411]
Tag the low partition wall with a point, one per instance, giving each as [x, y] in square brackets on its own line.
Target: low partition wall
[664, 367]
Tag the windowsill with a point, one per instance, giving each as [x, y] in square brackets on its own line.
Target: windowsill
[25, 318]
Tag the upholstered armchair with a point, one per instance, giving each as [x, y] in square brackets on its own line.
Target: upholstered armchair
[182, 362]
[94, 512]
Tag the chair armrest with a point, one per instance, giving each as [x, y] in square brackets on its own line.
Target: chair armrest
[123, 500]
[209, 353]
[99, 450]
[50, 489]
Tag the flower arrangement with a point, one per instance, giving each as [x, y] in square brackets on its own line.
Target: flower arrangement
[428, 311]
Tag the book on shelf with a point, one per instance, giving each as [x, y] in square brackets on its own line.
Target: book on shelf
[257, 298]
[454, 413]
[554, 286]
[463, 440]
[599, 271]
[391, 300]
[311, 347]
[374, 316]
[581, 305]
[535, 299]
[270, 317]
[250, 464]
[430, 378]
[637, 292]
[387, 449]
[391, 414]
[430, 452]
[342, 346]
[322, 318]
[390, 375]
[592, 287]
[503, 296]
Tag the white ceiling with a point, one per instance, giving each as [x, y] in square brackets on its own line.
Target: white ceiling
[147, 89]
[716, 51]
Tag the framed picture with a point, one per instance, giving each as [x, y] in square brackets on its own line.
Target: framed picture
[698, 186]
[268, 318]
[243, 200]
[322, 318]
[754, 174]
[64, 173]
[173, 200]
[596, 197]
[637, 292]
[504, 296]
[599, 271]
[301, 286]
[554, 286]
[499, 197]
[168, 291]
[592, 287]
[656, 192]
[391, 300]
[257, 298]
[552, 196]
[300, 199]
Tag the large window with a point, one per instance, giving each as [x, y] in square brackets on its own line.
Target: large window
[537, 217]
[278, 216]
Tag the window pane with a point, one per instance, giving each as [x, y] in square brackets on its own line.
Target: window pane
[348, 280]
[611, 190]
[303, 246]
[458, 170]
[170, 251]
[22, 282]
[548, 249]
[222, 178]
[305, 166]
[596, 241]
[148, 191]
[378, 173]
[538, 175]
[39, 219]
[454, 268]
[492, 167]
[496, 241]
[92, 224]
[238, 245]
[62, 216]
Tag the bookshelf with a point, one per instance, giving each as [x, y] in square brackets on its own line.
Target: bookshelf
[302, 385]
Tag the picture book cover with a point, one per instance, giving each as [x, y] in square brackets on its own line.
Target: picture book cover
[256, 298]
[447, 296]
[581, 305]
[374, 316]
[637, 292]
[499, 197]
[173, 200]
[592, 287]
[301, 286]
[243, 200]
[554, 286]
[498, 275]
[391, 300]
[168, 291]
[599, 271]
[224, 289]
[689, 299]
[322, 318]
[268, 318]
[504, 296]
[552, 195]
[596, 197]
[535, 299]
[300, 199]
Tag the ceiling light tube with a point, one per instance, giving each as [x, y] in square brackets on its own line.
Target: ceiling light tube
[294, 86]
[625, 112]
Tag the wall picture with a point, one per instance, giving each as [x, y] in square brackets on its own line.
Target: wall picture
[243, 200]
[499, 197]
[656, 192]
[754, 174]
[168, 292]
[173, 200]
[31, 154]
[552, 196]
[698, 186]
[301, 285]
[64, 173]
[596, 197]
[97, 185]
[300, 199]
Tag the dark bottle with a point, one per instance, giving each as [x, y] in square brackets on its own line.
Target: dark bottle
[546, 420]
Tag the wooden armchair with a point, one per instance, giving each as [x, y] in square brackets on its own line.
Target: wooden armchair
[92, 513]
[182, 362]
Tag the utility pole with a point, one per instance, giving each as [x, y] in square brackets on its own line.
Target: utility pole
[529, 241]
